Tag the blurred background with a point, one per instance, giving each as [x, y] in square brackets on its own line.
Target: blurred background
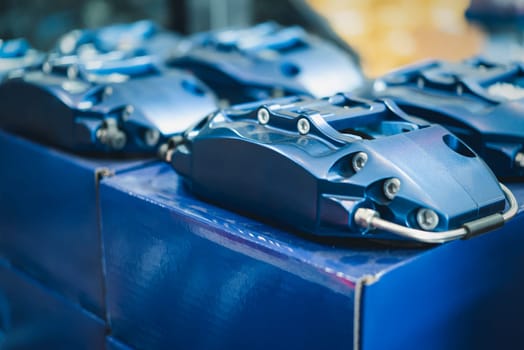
[383, 33]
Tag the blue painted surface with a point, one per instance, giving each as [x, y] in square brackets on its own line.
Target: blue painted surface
[255, 63]
[34, 317]
[226, 281]
[114, 344]
[17, 54]
[478, 100]
[308, 180]
[464, 295]
[143, 37]
[49, 218]
[222, 280]
[93, 113]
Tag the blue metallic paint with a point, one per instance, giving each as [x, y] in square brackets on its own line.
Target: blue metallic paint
[469, 99]
[255, 63]
[17, 54]
[107, 91]
[306, 181]
[137, 38]
[71, 113]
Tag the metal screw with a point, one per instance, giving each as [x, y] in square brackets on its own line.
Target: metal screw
[460, 89]
[118, 140]
[379, 86]
[163, 152]
[427, 219]
[47, 67]
[151, 137]
[391, 187]
[108, 91]
[359, 161]
[72, 72]
[263, 116]
[110, 135]
[126, 113]
[303, 126]
[519, 160]
[420, 83]
[277, 92]
[101, 134]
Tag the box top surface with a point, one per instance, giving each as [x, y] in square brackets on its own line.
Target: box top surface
[348, 259]
[93, 163]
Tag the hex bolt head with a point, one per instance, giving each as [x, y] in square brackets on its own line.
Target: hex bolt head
[126, 113]
[118, 140]
[420, 83]
[359, 161]
[72, 72]
[519, 160]
[151, 137]
[101, 135]
[108, 91]
[109, 134]
[460, 90]
[277, 92]
[263, 116]
[303, 126]
[427, 219]
[391, 187]
[47, 67]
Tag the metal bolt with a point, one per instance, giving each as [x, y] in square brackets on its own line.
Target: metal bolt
[303, 126]
[263, 116]
[277, 92]
[359, 161]
[47, 67]
[72, 72]
[420, 83]
[164, 152]
[391, 187]
[118, 140]
[519, 160]
[110, 135]
[460, 89]
[151, 137]
[126, 113]
[175, 141]
[110, 123]
[427, 219]
[379, 86]
[101, 135]
[108, 91]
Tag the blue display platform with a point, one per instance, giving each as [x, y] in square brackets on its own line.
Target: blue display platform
[49, 218]
[34, 317]
[185, 274]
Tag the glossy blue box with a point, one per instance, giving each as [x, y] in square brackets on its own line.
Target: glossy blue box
[182, 273]
[49, 218]
[35, 317]
[114, 344]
